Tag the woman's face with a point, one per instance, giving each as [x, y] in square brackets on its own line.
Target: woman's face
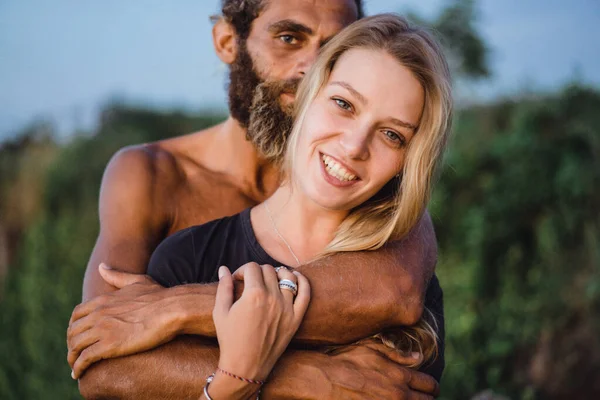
[356, 131]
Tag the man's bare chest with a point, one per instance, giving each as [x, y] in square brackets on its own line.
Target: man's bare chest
[196, 205]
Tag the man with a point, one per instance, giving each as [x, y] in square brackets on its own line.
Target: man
[151, 191]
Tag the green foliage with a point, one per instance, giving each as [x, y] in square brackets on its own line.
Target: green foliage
[44, 284]
[519, 233]
[22, 169]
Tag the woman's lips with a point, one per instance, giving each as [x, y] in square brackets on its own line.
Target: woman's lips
[337, 173]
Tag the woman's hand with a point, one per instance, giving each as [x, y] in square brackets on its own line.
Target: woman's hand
[254, 331]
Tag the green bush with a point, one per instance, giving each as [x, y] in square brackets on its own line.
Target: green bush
[517, 219]
[45, 283]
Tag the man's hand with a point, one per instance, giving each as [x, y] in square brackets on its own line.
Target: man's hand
[119, 323]
[371, 370]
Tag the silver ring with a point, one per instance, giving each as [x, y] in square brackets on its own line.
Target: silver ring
[288, 285]
[282, 267]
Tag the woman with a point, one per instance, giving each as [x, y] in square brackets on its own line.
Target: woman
[371, 122]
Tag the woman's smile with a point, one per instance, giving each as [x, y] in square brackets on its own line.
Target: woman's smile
[336, 172]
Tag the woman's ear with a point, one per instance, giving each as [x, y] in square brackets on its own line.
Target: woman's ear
[225, 41]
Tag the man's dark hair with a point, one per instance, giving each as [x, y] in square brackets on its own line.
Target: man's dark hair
[241, 13]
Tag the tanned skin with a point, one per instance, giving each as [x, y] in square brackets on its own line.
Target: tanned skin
[151, 191]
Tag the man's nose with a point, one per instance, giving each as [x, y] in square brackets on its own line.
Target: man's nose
[355, 143]
[306, 60]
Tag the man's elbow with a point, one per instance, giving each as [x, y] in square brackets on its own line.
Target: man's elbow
[411, 312]
[408, 304]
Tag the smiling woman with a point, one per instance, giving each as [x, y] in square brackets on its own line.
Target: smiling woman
[377, 103]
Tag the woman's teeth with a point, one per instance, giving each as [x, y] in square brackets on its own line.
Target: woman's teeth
[336, 170]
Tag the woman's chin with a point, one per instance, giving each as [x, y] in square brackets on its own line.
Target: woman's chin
[327, 200]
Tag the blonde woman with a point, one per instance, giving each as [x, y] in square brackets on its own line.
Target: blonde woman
[371, 122]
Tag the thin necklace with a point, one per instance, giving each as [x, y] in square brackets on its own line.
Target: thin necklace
[279, 233]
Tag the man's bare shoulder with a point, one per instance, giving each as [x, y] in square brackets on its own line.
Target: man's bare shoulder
[163, 163]
[150, 174]
[142, 165]
[172, 183]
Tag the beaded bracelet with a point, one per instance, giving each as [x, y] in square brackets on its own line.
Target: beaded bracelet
[212, 376]
[256, 382]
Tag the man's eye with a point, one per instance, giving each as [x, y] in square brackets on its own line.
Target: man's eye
[343, 104]
[288, 39]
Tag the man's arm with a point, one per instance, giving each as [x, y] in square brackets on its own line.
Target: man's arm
[360, 300]
[176, 365]
[133, 215]
[366, 292]
[354, 294]
[178, 369]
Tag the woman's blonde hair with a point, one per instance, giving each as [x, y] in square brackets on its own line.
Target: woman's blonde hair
[398, 206]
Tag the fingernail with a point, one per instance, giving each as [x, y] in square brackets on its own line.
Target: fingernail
[72, 374]
[221, 272]
[416, 355]
[296, 273]
[102, 265]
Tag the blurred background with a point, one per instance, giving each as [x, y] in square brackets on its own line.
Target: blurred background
[516, 209]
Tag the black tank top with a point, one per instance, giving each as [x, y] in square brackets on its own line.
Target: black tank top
[194, 255]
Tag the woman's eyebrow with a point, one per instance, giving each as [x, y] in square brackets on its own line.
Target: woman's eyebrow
[289, 25]
[354, 92]
[403, 124]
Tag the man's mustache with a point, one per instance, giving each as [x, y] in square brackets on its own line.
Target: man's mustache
[285, 86]
[290, 86]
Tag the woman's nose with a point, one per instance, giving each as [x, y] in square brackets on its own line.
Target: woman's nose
[356, 143]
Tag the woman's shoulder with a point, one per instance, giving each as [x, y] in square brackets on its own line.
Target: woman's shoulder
[190, 235]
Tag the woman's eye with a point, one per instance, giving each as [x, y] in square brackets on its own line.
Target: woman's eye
[343, 104]
[288, 39]
[394, 137]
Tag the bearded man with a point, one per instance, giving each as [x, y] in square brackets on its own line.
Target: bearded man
[153, 190]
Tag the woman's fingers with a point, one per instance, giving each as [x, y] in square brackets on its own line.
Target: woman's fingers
[284, 273]
[266, 317]
[224, 298]
[271, 279]
[238, 274]
[303, 297]
[252, 276]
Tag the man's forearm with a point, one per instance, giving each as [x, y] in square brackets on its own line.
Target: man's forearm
[353, 295]
[345, 306]
[358, 294]
[175, 370]
[178, 370]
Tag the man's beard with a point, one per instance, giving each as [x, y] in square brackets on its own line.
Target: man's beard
[255, 104]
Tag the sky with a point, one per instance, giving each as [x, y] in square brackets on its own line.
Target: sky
[63, 59]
